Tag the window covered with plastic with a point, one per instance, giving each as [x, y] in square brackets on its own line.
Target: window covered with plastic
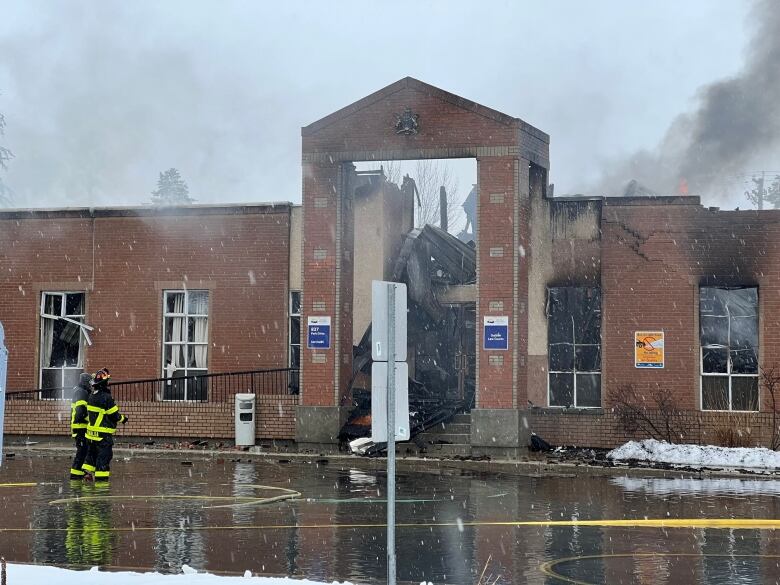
[728, 325]
[574, 346]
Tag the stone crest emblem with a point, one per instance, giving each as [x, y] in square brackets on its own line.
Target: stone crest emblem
[407, 123]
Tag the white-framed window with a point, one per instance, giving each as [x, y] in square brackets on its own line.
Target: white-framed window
[63, 338]
[294, 355]
[574, 346]
[728, 329]
[185, 343]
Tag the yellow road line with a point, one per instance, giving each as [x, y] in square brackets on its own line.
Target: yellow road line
[733, 523]
[547, 567]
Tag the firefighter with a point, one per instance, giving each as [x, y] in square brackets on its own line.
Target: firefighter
[104, 416]
[78, 425]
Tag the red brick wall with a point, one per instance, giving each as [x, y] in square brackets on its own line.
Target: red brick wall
[655, 256]
[275, 418]
[450, 127]
[241, 255]
[602, 429]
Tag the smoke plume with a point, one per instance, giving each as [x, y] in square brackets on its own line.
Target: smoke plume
[735, 124]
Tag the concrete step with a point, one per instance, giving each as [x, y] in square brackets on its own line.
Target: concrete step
[410, 449]
[463, 450]
[448, 428]
[444, 438]
[462, 418]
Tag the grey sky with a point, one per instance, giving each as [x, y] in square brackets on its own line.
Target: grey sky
[101, 96]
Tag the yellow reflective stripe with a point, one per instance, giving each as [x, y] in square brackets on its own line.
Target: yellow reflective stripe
[112, 410]
[88, 467]
[102, 473]
[79, 403]
[93, 408]
[103, 430]
[76, 471]
[78, 425]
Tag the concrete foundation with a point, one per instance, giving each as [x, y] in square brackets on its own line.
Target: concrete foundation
[317, 428]
[498, 433]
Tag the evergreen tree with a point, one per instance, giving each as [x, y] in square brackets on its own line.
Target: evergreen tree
[171, 190]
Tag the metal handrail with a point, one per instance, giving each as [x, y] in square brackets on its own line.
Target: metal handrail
[220, 387]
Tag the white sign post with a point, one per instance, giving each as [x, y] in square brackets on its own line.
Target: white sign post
[3, 371]
[389, 388]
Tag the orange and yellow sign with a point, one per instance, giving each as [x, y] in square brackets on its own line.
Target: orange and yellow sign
[649, 349]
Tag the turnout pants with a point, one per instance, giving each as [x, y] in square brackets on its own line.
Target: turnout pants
[103, 456]
[82, 449]
[99, 458]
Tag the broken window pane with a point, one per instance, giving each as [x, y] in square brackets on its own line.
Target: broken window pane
[52, 304]
[729, 345]
[742, 302]
[744, 332]
[744, 393]
[715, 392]
[561, 357]
[744, 361]
[588, 359]
[561, 389]
[715, 360]
[714, 330]
[74, 305]
[574, 345]
[589, 390]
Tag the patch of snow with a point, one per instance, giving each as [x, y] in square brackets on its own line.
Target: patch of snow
[654, 451]
[44, 575]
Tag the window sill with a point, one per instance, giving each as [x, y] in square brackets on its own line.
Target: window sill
[567, 410]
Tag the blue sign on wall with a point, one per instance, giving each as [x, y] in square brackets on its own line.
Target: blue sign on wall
[496, 333]
[318, 333]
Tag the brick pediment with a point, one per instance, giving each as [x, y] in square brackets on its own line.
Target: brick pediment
[447, 126]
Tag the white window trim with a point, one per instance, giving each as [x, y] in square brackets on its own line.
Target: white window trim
[166, 371]
[83, 327]
[727, 373]
[290, 316]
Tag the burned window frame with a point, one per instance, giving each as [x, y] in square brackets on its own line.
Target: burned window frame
[76, 319]
[709, 310]
[585, 344]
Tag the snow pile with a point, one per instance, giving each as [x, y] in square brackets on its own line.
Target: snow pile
[654, 451]
[45, 575]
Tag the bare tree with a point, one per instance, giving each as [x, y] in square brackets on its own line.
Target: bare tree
[770, 380]
[657, 416]
[429, 177]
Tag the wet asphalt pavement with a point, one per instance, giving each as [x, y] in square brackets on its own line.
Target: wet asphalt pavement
[212, 514]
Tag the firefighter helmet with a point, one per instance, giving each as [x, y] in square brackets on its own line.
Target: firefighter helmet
[101, 376]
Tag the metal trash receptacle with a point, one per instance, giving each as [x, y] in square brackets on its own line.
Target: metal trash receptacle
[245, 419]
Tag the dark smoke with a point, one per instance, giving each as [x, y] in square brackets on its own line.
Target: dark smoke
[737, 122]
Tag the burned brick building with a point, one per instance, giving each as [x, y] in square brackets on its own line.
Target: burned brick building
[576, 310]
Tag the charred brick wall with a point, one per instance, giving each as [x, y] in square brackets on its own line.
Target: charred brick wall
[275, 418]
[124, 259]
[655, 254]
